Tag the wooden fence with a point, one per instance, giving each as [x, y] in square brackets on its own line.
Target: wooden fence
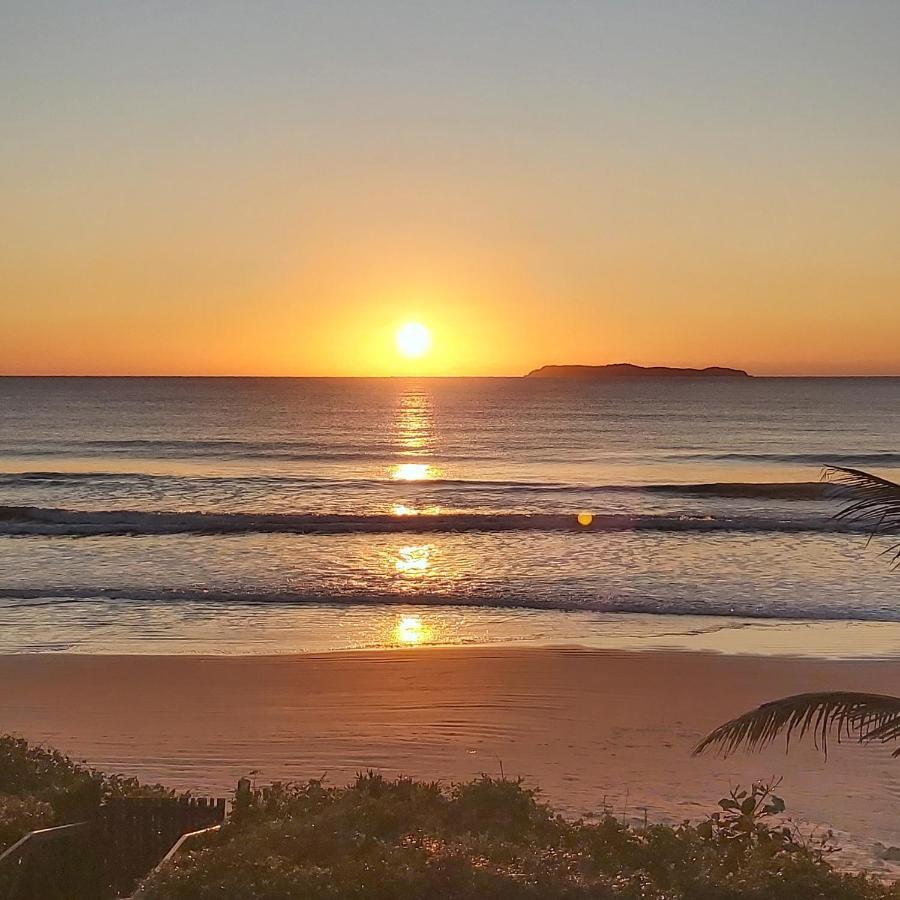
[132, 835]
[106, 856]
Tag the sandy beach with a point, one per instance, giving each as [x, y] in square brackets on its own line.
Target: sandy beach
[588, 727]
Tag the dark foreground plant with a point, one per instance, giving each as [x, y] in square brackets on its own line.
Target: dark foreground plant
[492, 839]
[40, 787]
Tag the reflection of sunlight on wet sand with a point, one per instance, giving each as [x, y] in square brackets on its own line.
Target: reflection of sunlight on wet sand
[413, 559]
[411, 631]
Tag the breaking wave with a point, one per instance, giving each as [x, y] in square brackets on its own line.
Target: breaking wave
[632, 603]
[33, 520]
[378, 450]
[799, 490]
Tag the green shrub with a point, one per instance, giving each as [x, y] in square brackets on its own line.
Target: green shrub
[494, 840]
[19, 815]
[40, 787]
[48, 776]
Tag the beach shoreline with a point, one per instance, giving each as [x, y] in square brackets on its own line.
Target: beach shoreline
[590, 728]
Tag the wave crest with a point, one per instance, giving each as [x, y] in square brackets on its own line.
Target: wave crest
[32, 520]
[626, 604]
[790, 490]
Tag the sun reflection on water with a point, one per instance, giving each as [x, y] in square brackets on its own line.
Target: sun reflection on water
[404, 509]
[410, 631]
[414, 423]
[413, 559]
[414, 472]
[414, 435]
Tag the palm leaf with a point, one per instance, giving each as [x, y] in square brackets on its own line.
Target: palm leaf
[871, 501]
[862, 717]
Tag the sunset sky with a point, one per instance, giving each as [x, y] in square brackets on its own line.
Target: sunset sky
[274, 188]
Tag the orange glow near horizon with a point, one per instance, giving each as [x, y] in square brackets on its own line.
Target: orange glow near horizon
[544, 203]
[507, 333]
[490, 322]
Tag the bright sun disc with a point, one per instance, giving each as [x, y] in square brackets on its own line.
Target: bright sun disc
[413, 339]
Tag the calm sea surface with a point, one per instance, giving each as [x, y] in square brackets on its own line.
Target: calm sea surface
[258, 515]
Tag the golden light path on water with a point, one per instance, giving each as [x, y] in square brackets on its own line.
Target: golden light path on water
[415, 435]
[414, 430]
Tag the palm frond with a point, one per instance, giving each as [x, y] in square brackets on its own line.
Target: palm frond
[843, 714]
[872, 501]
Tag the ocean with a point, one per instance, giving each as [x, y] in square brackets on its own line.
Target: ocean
[287, 515]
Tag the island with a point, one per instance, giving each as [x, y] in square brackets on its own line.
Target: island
[628, 370]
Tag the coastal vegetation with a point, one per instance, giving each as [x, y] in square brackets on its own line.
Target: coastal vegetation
[380, 839]
[401, 839]
[41, 787]
[118, 827]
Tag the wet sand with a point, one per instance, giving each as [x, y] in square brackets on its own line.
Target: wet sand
[589, 727]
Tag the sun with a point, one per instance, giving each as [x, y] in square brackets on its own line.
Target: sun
[413, 340]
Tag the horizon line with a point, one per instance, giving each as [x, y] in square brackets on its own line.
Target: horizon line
[392, 377]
